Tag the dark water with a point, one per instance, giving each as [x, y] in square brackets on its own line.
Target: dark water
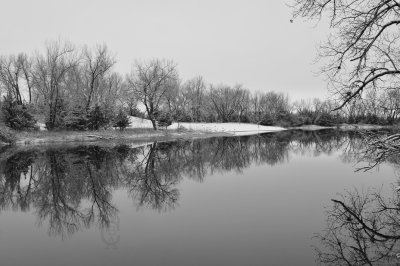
[259, 200]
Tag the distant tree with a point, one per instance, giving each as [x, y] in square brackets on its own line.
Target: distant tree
[193, 91]
[255, 108]
[49, 76]
[11, 74]
[96, 64]
[131, 102]
[150, 82]
[390, 104]
[228, 102]
[26, 65]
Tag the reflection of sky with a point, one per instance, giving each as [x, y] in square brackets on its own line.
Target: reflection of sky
[265, 216]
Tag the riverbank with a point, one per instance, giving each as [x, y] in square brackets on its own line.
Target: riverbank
[141, 130]
[117, 136]
[128, 135]
[341, 127]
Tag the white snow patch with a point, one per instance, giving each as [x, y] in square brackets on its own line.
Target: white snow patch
[232, 128]
[42, 126]
[137, 122]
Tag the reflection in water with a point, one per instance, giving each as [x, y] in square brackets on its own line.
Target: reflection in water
[362, 229]
[71, 188]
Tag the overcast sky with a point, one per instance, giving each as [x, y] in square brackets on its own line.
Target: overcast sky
[250, 42]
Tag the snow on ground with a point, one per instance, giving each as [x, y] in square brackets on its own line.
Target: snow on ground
[232, 128]
[237, 128]
[137, 122]
[41, 126]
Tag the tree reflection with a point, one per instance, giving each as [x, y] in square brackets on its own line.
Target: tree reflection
[362, 229]
[17, 168]
[154, 180]
[70, 188]
[75, 190]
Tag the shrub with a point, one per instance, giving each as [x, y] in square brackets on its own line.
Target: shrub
[109, 114]
[325, 119]
[17, 116]
[164, 120]
[6, 135]
[267, 121]
[97, 118]
[284, 119]
[76, 119]
[244, 119]
[121, 121]
[371, 119]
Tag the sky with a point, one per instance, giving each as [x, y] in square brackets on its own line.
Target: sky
[248, 42]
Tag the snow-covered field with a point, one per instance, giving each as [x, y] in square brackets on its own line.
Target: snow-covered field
[232, 128]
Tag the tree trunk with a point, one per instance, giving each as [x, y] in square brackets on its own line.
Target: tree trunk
[154, 122]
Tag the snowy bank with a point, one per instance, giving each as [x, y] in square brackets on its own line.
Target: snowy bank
[231, 128]
[137, 122]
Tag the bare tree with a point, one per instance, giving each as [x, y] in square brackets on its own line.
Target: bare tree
[11, 73]
[390, 104]
[49, 76]
[227, 102]
[272, 105]
[26, 65]
[96, 64]
[112, 92]
[150, 83]
[363, 49]
[194, 91]
[256, 108]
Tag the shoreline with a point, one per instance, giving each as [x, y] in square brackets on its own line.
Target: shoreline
[117, 137]
[140, 130]
[46, 138]
[342, 127]
[73, 137]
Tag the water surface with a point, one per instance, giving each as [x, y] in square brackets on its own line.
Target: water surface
[257, 200]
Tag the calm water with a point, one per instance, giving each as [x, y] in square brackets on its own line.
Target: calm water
[259, 200]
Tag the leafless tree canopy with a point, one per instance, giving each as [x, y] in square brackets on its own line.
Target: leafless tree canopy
[65, 85]
[96, 65]
[363, 49]
[150, 82]
[14, 75]
[50, 73]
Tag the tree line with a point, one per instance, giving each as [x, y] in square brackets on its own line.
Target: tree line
[77, 88]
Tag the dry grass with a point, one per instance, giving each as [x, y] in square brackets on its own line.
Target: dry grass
[127, 135]
[68, 133]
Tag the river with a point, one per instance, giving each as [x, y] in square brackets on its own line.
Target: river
[250, 200]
